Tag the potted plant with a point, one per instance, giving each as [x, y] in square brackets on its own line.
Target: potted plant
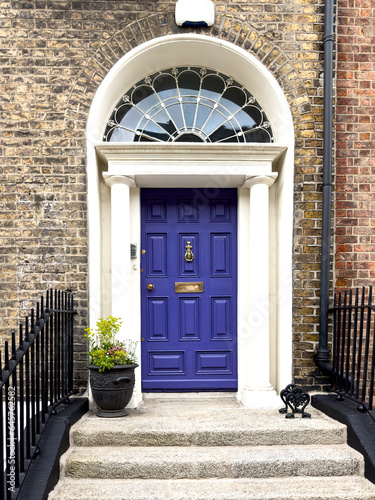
[111, 364]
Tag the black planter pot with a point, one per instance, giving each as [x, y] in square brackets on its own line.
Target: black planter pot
[112, 389]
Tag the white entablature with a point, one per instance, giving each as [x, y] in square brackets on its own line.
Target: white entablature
[189, 164]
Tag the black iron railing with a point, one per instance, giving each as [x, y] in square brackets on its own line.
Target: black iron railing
[34, 380]
[354, 347]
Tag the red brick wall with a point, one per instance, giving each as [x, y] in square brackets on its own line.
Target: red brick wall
[355, 136]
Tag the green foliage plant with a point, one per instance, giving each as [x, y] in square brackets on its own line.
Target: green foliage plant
[105, 351]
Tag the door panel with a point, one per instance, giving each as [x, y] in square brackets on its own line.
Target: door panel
[189, 318]
[221, 320]
[189, 330]
[157, 314]
[220, 254]
[157, 254]
[189, 268]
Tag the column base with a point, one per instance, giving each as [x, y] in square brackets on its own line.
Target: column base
[260, 397]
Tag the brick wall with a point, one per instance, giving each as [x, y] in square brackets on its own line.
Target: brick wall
[355, 187]
[53, 56]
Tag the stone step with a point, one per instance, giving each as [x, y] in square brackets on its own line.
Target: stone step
[232, 427]
[211, 462]
[172, 449]
[295, 488]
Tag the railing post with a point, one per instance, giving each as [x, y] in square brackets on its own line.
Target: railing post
[65, 344]
[28, 401]
[21, 400]
[2, 401]
[355, 333]
[71, 341]
[360, 341]
[335, 333]
[371, 393]
[33, 401]
[338, 343]
[51, 347]
[343, 342]
[37, 368]
[12, 420]
[42, 363]
[367, 346]
[348, 336]
[58, 350]
[7, 430]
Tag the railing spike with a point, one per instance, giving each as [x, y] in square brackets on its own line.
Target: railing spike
[27, 329]
[6, 354]
[20, 338]
[13, 344]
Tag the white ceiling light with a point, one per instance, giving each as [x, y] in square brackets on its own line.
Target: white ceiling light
[196, 13]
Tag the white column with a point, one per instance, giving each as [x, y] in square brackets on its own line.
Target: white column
[120, 250]
[258, 391]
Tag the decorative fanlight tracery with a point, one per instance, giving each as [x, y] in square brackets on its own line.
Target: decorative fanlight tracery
[188, 104]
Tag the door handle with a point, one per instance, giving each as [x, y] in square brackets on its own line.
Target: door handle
[150, 286]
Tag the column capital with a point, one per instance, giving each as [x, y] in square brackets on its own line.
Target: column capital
[268, 180]
[110, 180]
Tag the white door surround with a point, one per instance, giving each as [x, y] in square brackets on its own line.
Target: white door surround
[116, 172]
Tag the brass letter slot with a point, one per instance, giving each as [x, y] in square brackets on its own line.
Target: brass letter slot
[188, 287]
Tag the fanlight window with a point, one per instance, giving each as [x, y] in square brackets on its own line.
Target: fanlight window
[188, 105]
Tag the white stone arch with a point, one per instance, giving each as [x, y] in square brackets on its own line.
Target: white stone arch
[253, 160]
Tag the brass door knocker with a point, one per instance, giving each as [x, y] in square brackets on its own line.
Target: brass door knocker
[189, 256]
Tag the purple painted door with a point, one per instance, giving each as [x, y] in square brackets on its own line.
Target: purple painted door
[189, 289]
